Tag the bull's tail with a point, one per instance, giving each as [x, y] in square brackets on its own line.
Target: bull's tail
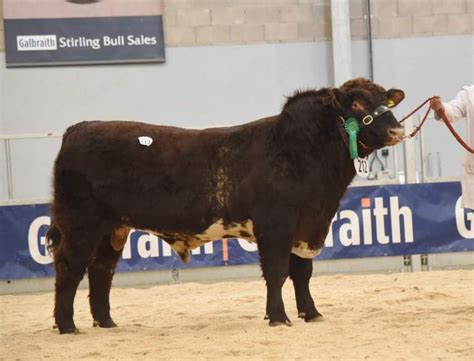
[53, 237]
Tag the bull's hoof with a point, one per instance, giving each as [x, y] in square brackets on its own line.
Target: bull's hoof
[280, 323]
[66, 330]
[69, 331]
[312, 317]
[109, 323]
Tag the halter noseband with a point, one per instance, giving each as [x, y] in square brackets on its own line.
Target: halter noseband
[380, 110]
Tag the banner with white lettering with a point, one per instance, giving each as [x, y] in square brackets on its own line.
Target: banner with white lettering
[61, 32]
[371, 222]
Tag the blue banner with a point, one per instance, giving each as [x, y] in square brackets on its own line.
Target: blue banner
[372, 221]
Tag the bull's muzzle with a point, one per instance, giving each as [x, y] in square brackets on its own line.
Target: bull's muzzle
[395, 135]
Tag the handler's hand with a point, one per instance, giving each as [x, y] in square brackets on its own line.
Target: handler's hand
[436, 104]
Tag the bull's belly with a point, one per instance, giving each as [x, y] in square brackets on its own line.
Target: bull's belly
[245, 230]
[219, 230]
[182, 244]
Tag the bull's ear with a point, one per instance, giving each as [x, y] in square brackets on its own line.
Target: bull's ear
[337, 98]
[394, 96]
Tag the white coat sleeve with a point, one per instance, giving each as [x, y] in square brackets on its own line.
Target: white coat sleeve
[457, 108]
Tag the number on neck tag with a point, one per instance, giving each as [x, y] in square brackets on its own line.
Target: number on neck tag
[361, 166]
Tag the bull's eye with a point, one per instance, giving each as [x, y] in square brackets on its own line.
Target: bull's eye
[357, 106]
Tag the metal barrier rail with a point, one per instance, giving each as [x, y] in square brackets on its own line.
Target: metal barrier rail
[30, 136]
[8, 160]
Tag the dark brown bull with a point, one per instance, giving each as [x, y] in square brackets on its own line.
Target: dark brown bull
[277, 181]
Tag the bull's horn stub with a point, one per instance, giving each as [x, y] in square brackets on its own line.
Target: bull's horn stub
[144, 140]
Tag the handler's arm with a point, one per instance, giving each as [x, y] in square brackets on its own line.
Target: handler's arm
[455, 109]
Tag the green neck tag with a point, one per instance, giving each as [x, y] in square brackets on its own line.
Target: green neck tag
[351, 126]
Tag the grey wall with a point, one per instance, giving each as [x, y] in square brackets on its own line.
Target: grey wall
[210, 86]
[200, 86]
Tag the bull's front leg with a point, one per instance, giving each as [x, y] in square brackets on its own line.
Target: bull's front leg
[274, 245]
[275, 272]
[301, 270]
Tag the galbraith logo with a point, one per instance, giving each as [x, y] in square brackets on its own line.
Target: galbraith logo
[36, 42]
[51, 42]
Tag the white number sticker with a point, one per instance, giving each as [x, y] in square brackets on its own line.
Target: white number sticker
[146, 141]
[361, 166]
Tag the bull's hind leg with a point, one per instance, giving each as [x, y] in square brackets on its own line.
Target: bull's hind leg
[101, 270]
[70, 266]
[301, 270]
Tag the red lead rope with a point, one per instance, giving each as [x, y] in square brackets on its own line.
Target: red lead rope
[445, 120]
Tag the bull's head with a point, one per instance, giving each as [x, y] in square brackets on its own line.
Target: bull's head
[365, 108]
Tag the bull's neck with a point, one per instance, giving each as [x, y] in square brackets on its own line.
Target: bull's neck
[315, 149]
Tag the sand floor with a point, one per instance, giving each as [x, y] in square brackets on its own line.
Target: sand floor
[400, 316]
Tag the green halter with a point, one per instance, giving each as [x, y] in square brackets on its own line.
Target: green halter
[352, 128]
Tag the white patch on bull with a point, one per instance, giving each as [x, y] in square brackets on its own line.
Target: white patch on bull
[219, 230]
[182, 245]
[182, 250]
[301, 249]
[145, 140]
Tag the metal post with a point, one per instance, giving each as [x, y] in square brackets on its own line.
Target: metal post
[396, 165]
[429, 165]
[407, 264]
[8, 161]
[341, 41]
[423, 157]
[425, 263]
[369, 39]
[438, 163]
[416, 263]
[409, 146]
[175, 275]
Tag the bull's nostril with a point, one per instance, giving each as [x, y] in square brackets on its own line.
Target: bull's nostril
[396, 132]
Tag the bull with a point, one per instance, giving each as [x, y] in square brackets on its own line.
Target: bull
[276, 181]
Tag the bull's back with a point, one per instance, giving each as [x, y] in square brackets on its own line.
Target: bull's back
[109, 158]
[99, 148]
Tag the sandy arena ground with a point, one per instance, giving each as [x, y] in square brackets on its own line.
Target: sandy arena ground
[403, 316]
